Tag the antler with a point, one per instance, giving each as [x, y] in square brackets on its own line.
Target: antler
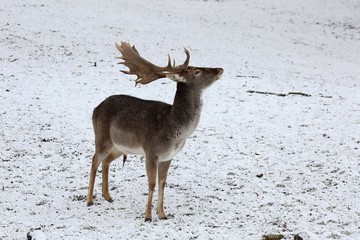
[145, 71]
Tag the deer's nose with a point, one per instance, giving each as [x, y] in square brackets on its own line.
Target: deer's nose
[219, 73]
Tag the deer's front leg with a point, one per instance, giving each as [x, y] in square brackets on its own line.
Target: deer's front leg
[163, 171]
[151, 170]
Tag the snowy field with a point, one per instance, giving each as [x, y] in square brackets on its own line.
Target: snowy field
[286, 162]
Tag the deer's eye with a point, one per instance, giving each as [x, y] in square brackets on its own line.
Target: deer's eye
[197, 72]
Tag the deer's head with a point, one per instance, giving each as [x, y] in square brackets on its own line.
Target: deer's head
[200, 77]
[147, 72]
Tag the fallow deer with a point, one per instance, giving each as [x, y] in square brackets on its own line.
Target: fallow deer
[158, 131]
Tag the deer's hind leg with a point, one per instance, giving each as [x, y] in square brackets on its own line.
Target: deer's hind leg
[96, 160]
[114, 154]
[104, 152]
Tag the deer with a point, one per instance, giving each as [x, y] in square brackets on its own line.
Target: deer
[125, 124]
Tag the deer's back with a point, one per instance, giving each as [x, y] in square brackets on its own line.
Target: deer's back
[131, 112]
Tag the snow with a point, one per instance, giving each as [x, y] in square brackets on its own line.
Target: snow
[36, 235]
[257, 164]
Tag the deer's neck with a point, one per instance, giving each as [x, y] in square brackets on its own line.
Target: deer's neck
[186, 110]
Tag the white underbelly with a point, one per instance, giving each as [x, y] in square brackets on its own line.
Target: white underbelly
[162, 157]
[125, 141]
[127, 150]
[128, 143]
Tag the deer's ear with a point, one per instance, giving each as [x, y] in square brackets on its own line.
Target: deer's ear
[176, 77]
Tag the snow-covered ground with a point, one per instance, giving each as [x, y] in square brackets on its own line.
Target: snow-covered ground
[257, 164]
